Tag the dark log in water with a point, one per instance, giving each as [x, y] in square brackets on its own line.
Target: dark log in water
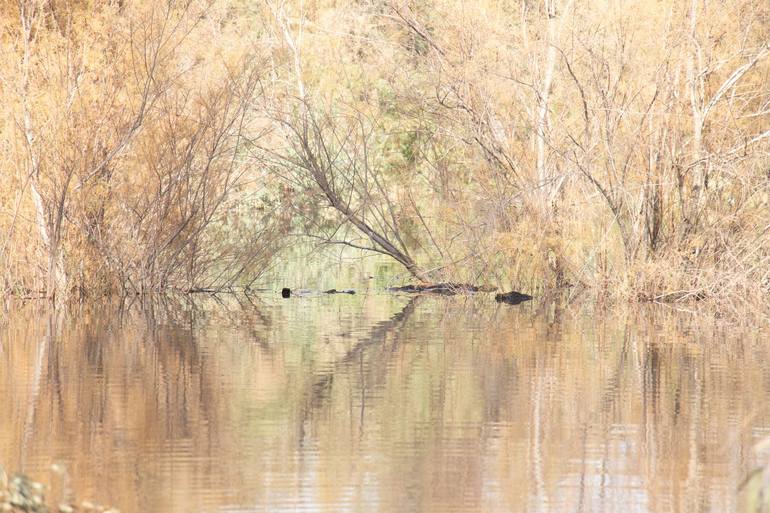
[447, 289]
[287, 292]
[512, 298]
[344, 291]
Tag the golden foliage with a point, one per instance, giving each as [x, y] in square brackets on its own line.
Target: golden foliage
[620, 148]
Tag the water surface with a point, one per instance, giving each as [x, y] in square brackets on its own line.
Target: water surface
[382, 402]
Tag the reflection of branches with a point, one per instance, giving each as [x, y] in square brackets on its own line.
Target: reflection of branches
[35, 391]
[246, 322]
[323, 382]
[613, 388]
[43, 355]
[263, 317]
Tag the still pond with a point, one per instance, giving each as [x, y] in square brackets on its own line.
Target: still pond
[382, 402]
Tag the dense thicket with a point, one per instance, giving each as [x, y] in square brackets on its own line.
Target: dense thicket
[124, 137]
[617, 147]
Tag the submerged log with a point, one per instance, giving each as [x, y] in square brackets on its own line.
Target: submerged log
[287, 292]
[446, 289]
[512, 298]
[344, 291]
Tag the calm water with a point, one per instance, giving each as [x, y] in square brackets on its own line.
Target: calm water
[382, 403]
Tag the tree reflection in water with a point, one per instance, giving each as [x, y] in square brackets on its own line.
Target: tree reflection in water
[381, 402]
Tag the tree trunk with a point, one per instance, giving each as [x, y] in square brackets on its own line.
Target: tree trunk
[543, 174]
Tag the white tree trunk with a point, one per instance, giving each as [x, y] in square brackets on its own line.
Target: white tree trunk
[547, 183]
[56, 278]
[543, 174]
